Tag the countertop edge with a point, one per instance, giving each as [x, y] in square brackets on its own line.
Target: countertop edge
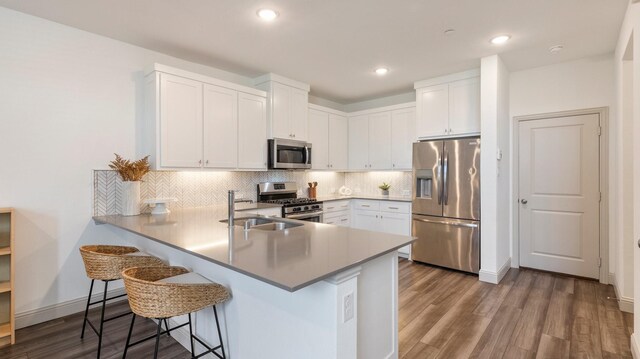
[369, 198]
[97, 221]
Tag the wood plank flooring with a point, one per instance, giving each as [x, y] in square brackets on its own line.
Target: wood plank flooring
[443, 314]
[530, 314]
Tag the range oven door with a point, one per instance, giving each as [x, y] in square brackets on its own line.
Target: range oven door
[307, 216]
[289, 154]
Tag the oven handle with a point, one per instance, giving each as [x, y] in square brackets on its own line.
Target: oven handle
[303, 215]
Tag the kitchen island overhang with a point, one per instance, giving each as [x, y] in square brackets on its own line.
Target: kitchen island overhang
[315, 290]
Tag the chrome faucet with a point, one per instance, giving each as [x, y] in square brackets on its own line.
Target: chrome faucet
[232, 207]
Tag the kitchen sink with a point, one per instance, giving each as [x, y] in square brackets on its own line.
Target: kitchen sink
[262, 223]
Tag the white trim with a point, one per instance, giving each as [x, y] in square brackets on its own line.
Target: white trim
[313, 106]
[447, 78]
[280, 79]
[382, 109]
[635, 347]
[603, 113]
[495, 277]
[202, 78]
[624, 303]
[50, 312]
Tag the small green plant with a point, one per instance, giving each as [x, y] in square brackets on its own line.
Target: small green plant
[384, 186]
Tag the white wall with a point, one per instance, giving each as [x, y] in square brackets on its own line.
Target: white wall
[630, 33]
[70, 99]
[573, 85]
[495, 176]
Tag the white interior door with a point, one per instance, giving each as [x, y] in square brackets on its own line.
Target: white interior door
[559, 194]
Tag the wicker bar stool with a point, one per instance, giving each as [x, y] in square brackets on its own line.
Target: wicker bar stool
[164, 292]
[106, 263]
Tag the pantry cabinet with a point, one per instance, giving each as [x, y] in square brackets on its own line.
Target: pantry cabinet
[448, 106]
[193, 121]
[287, 106]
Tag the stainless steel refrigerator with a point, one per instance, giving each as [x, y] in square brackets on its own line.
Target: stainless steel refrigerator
[446, 203]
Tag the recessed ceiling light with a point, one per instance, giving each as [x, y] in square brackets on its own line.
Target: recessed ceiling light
[267, 14]
[382, 71]
[499, 40]
[449, 32]
[556, 48]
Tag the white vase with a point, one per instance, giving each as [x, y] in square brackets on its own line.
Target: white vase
[130, 199]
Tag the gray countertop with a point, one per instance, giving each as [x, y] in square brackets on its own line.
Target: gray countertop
[289, 259]
[370, 197]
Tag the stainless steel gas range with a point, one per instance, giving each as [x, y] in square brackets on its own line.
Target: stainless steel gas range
[286, 194]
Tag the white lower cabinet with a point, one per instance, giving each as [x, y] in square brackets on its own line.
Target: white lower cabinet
[337, 213]
[383, 216]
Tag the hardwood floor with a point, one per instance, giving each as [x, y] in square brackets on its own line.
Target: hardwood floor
[530, 314]
[443, 314]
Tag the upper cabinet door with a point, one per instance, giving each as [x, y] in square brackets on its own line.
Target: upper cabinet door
[433, 111]
[220, 127]
[319, 138]
[252, 132]
[338, 142]
[359, 142]
[380, 141]
[299, 111]
[403, 124]
[180, 122]
[281, 109]
[464, 106]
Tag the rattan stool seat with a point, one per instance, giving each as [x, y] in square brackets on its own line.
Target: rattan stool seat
[106, 262]
[152, 295]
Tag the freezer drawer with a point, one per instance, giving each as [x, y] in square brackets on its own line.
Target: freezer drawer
[446, 242]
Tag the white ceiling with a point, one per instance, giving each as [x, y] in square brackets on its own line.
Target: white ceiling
[335, 45]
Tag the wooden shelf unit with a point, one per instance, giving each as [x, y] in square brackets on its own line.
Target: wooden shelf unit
[7, 265]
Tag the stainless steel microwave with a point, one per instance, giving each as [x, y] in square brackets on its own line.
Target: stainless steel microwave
[289, 154]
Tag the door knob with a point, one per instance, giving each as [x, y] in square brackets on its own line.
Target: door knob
[523, 201]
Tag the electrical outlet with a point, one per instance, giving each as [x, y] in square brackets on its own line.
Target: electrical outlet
[406, 192]
[348, 307]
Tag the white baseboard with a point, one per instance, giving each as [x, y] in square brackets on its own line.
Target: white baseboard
[50, 312]
[495, 277]
[625, 303]
[635, 346]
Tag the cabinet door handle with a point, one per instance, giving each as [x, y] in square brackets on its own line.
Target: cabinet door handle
[330, 208]
[199, 162]
[394, 208]
[344, 220]
[366, 205]
[206, 162]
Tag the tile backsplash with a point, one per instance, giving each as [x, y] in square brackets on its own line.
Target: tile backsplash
[199, 189]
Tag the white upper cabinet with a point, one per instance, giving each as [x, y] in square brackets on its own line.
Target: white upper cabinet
[403, 125]
[448, 106]
[432, 104]
[359, 142]
[180, 122]
[194, 121]
[220, 127]
[252, 131]
[287, 106]
[328, 134]
[464, 108]
[319, 138]
[380, 141]
[338, 142]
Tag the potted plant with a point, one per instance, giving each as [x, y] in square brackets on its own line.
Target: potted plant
[385, 188]
[131, 174]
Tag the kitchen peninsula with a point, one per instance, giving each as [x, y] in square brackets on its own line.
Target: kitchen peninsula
[312, 290]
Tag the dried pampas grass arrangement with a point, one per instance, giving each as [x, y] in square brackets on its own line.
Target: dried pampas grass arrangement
[130, 171]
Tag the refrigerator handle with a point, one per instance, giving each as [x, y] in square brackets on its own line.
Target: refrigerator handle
[445, 182]
[439, 180]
